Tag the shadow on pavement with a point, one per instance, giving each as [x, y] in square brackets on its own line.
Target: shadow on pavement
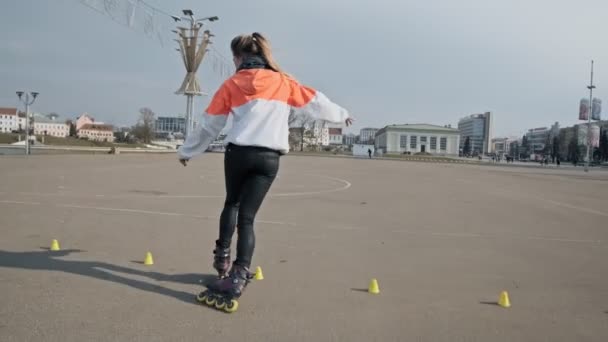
[488, 303]
[47, 261]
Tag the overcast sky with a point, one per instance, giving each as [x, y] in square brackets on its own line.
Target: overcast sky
[387, 62]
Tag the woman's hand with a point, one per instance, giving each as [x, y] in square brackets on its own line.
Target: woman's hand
[349, 121]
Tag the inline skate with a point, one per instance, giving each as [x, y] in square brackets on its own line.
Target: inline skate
[221, 259]
[224, 293]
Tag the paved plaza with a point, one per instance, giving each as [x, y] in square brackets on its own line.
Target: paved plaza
[443, 240]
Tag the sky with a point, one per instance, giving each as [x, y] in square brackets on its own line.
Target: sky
[387, 62]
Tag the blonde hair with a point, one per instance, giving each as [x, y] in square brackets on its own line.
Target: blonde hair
[254, 44]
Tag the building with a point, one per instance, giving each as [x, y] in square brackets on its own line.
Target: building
[479, 129]
[440, 140]
[515, 149]
[10, 120]
[501, 146]
[367, 135]
[537, 137]
[335, 136]
[50, 125]
[96, 132]
[320, 134]
[88, 128]
[313, 135]
[85, 119]
[349, 139]
[573, 141]
[166, 125]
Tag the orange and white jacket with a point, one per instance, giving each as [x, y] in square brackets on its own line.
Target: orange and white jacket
[260, 101]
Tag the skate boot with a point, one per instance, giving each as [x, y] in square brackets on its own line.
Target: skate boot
[221, 260]
[224, 293]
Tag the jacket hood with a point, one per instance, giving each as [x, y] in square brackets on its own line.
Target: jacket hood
[254, 81]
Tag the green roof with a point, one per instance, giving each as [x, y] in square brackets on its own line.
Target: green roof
[423, 127]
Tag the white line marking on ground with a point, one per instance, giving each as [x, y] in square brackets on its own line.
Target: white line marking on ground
[19, 202]
[336, 228]
[345, 185]
[516, 195]
[126, 210]
[490, 236]
[570, 206]
[139, 211]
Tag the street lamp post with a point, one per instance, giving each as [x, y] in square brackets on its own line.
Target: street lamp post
[590, 87]
[27, 101]
[192, 56]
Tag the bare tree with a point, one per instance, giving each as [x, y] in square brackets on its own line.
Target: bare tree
[300, 128]
[144, 130]
[72, 126]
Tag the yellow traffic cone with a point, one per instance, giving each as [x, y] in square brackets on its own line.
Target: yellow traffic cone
[149, 261]
[258, 273]
[503, 300]
[55, 245]
[373, 287]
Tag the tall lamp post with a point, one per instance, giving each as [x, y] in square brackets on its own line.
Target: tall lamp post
[192, 54]
[27, 101]
[588, 112]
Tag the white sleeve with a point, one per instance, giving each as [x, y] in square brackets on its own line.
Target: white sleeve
[306, 100]
[205, 132]
[321, 108]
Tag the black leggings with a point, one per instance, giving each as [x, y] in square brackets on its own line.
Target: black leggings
[249, 173]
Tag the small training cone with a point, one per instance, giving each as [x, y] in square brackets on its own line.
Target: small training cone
[149, 261]
[55, 245]
[503, 300]
[373, 287]
[258, 273]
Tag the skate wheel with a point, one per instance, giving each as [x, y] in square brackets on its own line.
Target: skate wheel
[231, 306]
[220, 303]
[210, 300]
[201, 297]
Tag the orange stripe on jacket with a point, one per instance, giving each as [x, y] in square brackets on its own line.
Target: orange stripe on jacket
[252, 84]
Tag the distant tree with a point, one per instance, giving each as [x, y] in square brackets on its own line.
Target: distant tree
[302, 121]
[466, 150]
[603, 148]
[144, 130]
[555, 148]
[121, 137]
[72, 128]
[514, 151]
[548, 146]
[596, 154]
[573, 150]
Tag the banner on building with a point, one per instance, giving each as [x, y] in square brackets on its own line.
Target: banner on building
[583, 110]
[596, 109]
[595, 136]
[581, 134]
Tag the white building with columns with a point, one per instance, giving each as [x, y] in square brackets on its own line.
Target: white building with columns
[415, 138]
[50, 125]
